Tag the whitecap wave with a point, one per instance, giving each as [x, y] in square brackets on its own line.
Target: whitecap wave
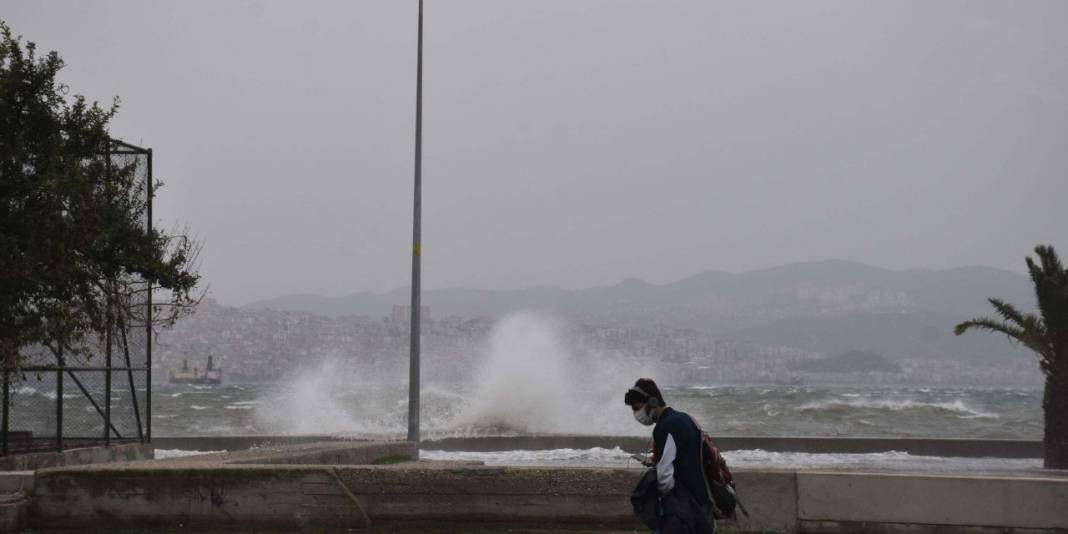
[751, 459]
[598, 456]
[163, 454]
[897, 405]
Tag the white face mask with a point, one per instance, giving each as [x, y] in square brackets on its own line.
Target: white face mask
[643, 417]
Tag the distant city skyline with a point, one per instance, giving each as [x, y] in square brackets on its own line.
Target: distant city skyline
[577, 144]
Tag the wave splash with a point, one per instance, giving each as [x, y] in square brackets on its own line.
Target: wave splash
[527, 380]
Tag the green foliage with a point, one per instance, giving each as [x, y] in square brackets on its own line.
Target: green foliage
[72, 231]
[1045, 334]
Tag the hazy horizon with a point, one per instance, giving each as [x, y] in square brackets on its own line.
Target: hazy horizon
[578, 144]
[611, 283]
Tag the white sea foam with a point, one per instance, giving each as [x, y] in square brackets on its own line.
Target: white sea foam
[957, 406]
[51, 394]
[892, 461]
[163, 454]
[753, 459]
[596, 456]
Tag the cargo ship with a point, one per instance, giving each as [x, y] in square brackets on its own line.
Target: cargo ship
[210, 375]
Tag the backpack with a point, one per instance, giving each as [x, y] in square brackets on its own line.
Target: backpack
[718, 479]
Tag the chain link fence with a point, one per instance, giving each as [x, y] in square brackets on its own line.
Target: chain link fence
[56, 401]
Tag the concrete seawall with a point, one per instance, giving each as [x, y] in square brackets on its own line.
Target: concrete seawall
[265, 488]
[125, 452]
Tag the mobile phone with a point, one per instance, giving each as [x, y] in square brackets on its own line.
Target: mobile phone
[642, 459]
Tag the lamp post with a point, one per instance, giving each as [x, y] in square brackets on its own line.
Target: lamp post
[413, 371]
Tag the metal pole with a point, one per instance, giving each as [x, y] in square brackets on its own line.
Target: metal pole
[108, 331]
[413, 374]
[59, 401]
[7, 412]
[107, 371]
[148, 316]
[130, 377]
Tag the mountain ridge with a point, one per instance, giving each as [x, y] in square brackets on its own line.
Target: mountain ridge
[828, 306]
[827, 272]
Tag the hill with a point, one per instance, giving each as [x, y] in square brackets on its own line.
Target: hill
[829, 306]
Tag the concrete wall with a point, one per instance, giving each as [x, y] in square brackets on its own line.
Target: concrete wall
[321, 453]
[770, 497]
[127, 452]
[494, 494]
[232, 443]
[218, 496]
[294, 496]
[852, 499]
[279, 487]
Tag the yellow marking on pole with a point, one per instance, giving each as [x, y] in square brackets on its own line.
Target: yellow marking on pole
[415, 249]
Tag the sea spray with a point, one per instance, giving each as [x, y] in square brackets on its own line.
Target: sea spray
[526, 379]
[523, 384]
[308, 404]
[530, 381]
[341, 397]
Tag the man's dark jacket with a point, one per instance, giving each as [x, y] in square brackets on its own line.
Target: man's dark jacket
[678, 480]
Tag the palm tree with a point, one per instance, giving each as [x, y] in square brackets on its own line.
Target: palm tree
[1047, 335]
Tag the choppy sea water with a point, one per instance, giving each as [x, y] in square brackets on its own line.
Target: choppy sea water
[375, 411]
[761, 410]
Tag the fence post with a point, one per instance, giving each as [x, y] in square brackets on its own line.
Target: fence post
[7, 412]
[107, 371]
[59, 401]
[148, 314]
[108, 330]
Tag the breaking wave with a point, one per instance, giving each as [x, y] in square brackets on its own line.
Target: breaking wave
[957, 407]
[753, 459]
[527, 380]
[597, 456]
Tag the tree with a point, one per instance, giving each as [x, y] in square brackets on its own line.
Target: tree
[1047, 335]
[73, 238]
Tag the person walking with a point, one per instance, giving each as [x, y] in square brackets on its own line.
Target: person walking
[681, 498]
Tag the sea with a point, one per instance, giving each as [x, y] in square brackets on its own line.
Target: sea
[528, 379]
[734, 410]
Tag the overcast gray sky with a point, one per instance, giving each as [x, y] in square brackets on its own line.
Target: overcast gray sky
[580, 142]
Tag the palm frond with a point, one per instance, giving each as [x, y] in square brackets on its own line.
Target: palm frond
[1038, 275]
[1051, 264]
[1031, 324]
[1008, 312]
[1015, 333]
[990, 325]
[1051, 289]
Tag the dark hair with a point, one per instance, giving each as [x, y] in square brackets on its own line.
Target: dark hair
[635, 395]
